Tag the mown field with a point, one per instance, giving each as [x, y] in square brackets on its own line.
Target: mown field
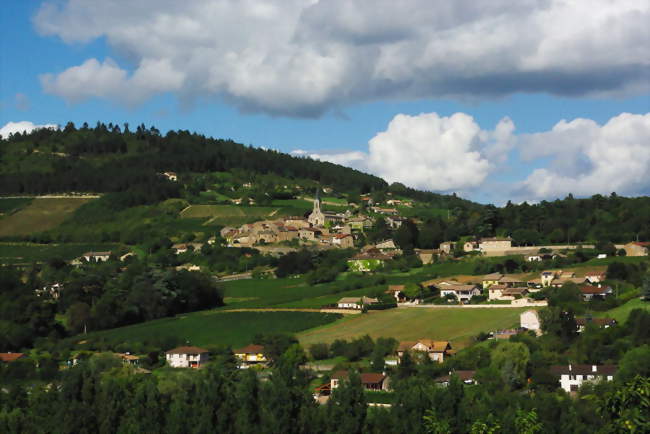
[25, 253]
[40, 215]
[217, 327]
[455, 325]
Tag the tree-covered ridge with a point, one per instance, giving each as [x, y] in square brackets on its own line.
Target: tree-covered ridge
[108, 158]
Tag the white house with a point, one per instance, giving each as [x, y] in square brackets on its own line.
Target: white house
[530, 321]
[96, 256]
[187, 357]
[462, 292]
[573, 376]
[495, 244]
[355, 302]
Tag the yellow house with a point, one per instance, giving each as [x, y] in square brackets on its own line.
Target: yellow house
[491, 279]
[251, 354]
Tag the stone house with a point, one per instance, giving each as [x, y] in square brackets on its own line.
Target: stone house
[495, 244]
[309, 234]
[344, 241]
[435, 350]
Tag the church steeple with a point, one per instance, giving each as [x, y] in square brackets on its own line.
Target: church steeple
[317, 200]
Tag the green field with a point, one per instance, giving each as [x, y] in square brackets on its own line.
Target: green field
[24, 253]
[12, 204]
[455, 325]
[286, 293]
[218, 327]
[40, 215]
[621, 313]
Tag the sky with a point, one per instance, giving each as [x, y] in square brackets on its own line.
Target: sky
[495, 101]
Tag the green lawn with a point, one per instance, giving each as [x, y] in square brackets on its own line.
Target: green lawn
[22, 253]
[217, 327]
[455, 325]
[40, 215]
[621, 313]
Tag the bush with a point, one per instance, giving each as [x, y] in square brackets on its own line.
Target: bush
[319, 351]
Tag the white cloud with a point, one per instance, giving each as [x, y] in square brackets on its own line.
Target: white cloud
[453, 153]
[22, 127]
[303, 57]
[587, 158]
[430, 152]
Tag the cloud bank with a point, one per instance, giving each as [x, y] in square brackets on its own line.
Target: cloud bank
[304, 57]
[22, 127]
[448, 154]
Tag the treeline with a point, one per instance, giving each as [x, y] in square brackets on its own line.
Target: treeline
[94, 297]
[100, 396]
[108, 159]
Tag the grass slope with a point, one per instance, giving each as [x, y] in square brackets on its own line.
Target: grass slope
[218, 327]
[455, 325]
[40, 215]
[621, 313]
[9, 205]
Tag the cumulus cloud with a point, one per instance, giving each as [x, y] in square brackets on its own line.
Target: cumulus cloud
[430, 152]
[304, 57]
[587, 158]
[446, 154]
[22, 127]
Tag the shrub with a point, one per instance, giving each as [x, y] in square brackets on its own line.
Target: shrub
[319, 351]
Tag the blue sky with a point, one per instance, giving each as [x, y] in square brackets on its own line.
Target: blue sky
[376, 90]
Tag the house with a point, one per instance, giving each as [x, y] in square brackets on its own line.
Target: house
[397, 291]
[495, 244]
[371, 260]
[573, 376]
[11, 357]
[359, 223]
[466, 377]
[596, 277]
[491, 279]
[447, 247]
[600, 291]
[512, 282]
[436, 350]
[469, 246]
[251, 354]
[547, 277]
[369, 380]
[462, 292]
[171, 176]
[309, 234]
[180, 248]
[128, 359]
[287, 233]
[395, 222]
[355, 302]
[187, 357]
[266, 236]
[96, 256]
[385, 211]
[504, 292]
[530, 321]
[429, 256]
[533, 258]
[603, 323]
[386, 245]
[296, 222]
[637, 249]
[344, 241]
[50, 291]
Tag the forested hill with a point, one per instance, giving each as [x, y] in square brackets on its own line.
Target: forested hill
[108, 158]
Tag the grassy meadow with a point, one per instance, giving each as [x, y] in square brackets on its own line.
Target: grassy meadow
[218, 327]
[40, 215]
[621, 313]
[10, 205]
[455, 325]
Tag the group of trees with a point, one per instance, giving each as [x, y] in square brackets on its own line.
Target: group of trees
[101, 396]
[95, 297]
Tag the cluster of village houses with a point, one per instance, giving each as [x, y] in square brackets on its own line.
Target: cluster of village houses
[497, 287]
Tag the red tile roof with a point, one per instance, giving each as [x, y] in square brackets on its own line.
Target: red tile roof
[10, 357]
[366, 378]
[250, 349]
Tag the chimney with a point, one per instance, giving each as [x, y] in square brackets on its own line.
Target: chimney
[594, 368]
